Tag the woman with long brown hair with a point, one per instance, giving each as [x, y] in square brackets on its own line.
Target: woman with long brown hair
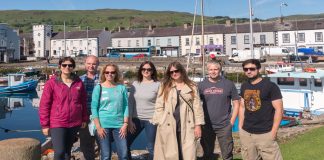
[109, 109]
[179, 116]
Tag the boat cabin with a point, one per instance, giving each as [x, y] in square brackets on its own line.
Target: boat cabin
[301, 91]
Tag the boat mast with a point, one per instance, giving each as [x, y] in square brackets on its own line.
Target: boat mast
[192, 33]
[251, 30]
[202, 39]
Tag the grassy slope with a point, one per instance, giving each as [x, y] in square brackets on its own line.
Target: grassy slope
[306, 146]
[98, 18]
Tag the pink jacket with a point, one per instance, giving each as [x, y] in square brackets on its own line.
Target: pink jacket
[61, 106]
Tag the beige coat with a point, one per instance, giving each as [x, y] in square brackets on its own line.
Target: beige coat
[166, 147]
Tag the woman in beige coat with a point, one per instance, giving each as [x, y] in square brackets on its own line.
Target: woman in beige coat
[179, 116]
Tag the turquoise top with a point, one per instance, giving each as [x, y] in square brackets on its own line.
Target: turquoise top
[113, 106]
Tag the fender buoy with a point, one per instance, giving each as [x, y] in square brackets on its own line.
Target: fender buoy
[312, 70]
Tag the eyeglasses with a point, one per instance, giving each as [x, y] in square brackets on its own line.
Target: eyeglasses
[112, 72]
[69, 65]
[251, 69]
[174, 71]
[146, 69]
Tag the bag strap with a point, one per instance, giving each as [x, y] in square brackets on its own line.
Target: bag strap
[100, 91]
[190, 105]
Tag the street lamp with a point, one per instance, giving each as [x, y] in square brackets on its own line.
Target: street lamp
[281, 5]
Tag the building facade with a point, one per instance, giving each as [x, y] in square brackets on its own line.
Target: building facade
[9, 44]
[78, 43]
[42, 37]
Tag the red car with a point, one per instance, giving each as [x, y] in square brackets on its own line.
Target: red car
[141, 55]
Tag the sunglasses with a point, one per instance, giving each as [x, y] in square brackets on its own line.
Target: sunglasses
[174, 71]
[112, 72]
[147, 69]
[69, 65]
[251, 69]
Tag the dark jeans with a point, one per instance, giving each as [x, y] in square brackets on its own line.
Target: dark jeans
[63, 139]
[105, 144]
[224, 137]
[150, 131]
[87, 144]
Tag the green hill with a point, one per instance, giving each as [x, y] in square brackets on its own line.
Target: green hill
[101, 18]
[105, 18]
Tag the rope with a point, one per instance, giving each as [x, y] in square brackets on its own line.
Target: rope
[6, 130]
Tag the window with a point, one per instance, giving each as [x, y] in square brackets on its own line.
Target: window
[233, 39]
[211, 40]
[3, 32]
[263, 39]
[38, 53]
[63, 43]
[129, 43]
[80, 43]
[54, 43]
[157, 42]
[246, 39]
[286, 81]
[54, 52]
[197, 41]
[119, 43]
[301, 37]
[137, 43]
[187, 51]
[318, 36]
[169, 42]
[302, 82]
[317, 82]
[38, 44]
[149, 42]
[285, 38]
[187, 42]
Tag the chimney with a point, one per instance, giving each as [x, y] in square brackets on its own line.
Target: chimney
[228, 23]
[186, 25]
[151, 27]
[120, 28]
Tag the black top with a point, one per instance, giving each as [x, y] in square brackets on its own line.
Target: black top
[259, 111]
[176, 113]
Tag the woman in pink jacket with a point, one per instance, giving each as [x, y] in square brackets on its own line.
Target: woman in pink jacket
[63, 109]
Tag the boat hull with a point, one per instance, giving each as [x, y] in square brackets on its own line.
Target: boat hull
[26, 86]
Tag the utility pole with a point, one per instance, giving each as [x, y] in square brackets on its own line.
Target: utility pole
[64, 54]
[251, 30]
[202, 38]
[87, 40]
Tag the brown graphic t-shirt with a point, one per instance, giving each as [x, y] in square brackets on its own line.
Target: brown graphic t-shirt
[259, 112]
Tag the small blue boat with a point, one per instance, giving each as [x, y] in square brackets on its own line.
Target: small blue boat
[17, 83]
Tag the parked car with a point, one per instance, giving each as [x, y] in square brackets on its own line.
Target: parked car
[113, 55]
[141, 55]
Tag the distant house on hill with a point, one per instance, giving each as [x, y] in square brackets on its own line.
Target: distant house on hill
[9, 44]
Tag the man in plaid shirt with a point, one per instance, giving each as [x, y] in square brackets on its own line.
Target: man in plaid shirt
[90, 80]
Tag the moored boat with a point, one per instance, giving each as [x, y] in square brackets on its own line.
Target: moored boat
[17, 83]
[301, 90]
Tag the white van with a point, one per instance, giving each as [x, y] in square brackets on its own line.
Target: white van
[275, 51]
[242, 55]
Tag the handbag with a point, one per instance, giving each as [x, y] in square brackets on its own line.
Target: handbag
[91, 125]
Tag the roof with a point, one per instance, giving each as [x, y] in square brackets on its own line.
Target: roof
[77, 34]
[271, 26]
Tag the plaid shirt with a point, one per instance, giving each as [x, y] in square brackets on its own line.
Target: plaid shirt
[89, 84]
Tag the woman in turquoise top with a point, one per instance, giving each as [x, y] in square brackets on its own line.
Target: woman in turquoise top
[110, 113]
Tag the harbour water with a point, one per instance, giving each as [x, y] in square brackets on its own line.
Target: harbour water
[19, 118]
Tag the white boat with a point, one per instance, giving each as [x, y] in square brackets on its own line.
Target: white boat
[301, 90]
[279, 67]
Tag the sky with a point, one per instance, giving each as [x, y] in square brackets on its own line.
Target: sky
[233, 8]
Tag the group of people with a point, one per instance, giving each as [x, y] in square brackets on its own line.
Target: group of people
[175, 113]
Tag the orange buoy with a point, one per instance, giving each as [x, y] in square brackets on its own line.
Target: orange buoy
[312, 70]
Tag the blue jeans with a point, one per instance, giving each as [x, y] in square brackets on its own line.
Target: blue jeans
[150, 131]
[105, 144]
